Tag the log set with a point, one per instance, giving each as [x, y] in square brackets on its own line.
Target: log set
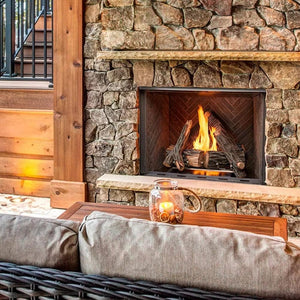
[231, 156]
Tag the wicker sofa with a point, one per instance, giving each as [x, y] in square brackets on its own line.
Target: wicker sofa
[110, 257]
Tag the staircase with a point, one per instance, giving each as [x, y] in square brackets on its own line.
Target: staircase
[34, 59]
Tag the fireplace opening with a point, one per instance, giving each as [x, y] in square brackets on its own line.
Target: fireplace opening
[212, 134]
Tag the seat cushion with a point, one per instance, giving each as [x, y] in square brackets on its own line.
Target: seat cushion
[204, 257]
[39, 242]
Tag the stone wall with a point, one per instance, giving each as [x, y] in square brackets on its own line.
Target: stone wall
[267, 25]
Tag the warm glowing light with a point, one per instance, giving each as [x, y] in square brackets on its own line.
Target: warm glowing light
[166, 207]
[205, 140]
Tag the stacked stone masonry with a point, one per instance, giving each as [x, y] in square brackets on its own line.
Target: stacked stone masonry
[265, 25]
[111, 110]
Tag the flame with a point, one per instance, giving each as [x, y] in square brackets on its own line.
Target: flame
[205, 140]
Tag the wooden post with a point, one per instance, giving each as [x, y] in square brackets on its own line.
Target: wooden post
[68, 185]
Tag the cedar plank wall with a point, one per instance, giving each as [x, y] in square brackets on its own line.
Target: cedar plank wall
[26, 141]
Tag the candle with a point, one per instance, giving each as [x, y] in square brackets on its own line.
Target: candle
[167, 207]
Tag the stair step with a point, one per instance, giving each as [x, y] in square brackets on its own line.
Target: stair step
[39, 52]
[27, 68]
[39, 36]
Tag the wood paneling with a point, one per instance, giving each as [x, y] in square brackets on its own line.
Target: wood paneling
[68, 98]
[26, 123]
[26, 99]
[66, 193]
[16, 145]
[29, 187]
[29, 166]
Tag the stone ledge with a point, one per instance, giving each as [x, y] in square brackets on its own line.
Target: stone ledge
[200, 55]
[211, 189]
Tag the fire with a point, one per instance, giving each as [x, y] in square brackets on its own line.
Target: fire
[205, 140]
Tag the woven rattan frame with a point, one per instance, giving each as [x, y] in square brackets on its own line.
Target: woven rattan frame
[44, 283]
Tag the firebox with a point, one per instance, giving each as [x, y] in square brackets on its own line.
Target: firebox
[212, 134]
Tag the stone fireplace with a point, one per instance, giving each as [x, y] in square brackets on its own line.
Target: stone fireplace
[113, 83]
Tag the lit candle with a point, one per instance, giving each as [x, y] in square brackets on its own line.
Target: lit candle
[167, 207]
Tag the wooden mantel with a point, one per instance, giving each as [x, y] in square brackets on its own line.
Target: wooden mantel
[200, 55]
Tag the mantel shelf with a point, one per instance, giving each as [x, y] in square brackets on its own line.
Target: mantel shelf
[200, 55]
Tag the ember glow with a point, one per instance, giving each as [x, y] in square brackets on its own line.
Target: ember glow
[205, 140]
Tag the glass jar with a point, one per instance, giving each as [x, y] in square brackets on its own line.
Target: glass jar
[166, 202]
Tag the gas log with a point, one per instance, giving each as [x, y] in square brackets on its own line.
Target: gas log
[175, 154]
[215, 160]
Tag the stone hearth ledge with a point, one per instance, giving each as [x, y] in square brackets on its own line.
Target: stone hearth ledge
[199, 55]
[205, 188]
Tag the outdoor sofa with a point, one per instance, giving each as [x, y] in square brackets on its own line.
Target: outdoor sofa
[111, 257]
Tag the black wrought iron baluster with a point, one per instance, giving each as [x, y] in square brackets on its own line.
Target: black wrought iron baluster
[45, 36]
[1, 37]
[23, 24]
[33, 37]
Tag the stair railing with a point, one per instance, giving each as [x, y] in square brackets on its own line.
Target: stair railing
[18, 19]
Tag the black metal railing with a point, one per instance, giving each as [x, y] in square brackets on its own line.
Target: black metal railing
[23, 53]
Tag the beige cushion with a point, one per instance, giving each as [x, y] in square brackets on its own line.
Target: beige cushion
[203, 257]
[39, 242]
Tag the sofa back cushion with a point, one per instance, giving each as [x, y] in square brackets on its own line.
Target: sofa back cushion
[39, 242]
[203, 257]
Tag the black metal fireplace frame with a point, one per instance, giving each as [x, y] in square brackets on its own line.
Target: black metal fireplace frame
[142, 142]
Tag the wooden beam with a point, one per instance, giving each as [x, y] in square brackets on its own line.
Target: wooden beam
[65, 193]
[201, 55]
[68, 97]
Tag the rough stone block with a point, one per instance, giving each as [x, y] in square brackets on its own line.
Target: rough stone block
[208, 204]
[110, 97]
[196, 17]
[181, 77]
[145, 17]
[120, 86]
[92, 13]
[118, 18]
[107, 133]
[282, 146]
[222, 8]
[247, 208]
[185, 36]
[143, 73]
[128, 100]
[102, 196]
[284, 5]
[245, 3]
[269, 210]
[274, 99]
[183, 3]
[169, 14]
[89, 161]
[140, 40]
[93, 99]
[105, 164]
[114, 3]
[141, 199]
[99, 148]
[204, 41]
[293, 19]
[112, 114]
[272, 16]
[259, 80]
[291, 99]
[293, 225]
[121, 196]
[273, 130]
[280, 73]
[118, 74]
[288, 209]
[295, 167]
[236, 81]
[277, 116]
[162, 76]
[167, 39]
[123, 129]
[129, 115]
[237, 38]
[206, 76]
[276, 161]
[112, 39]
[280, 177]
[220, 22]
[91, 174]
[90, 130]
[227, 206]
[294, 116]
[125, 167]
[289, 130]
[247, 17]
[98, 116]
[91, 46]
[101, 66]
